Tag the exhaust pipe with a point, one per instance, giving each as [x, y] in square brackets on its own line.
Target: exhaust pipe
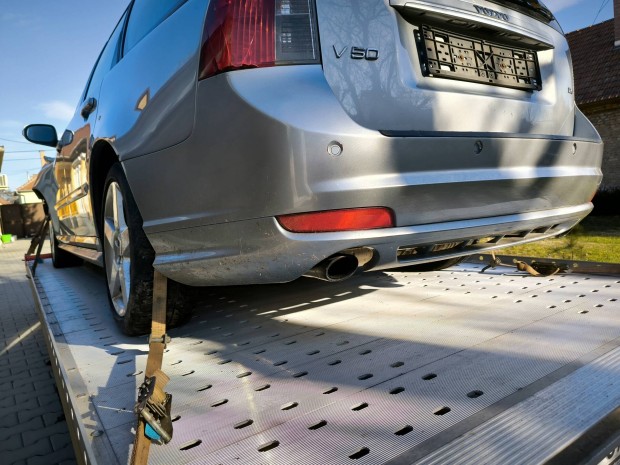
[335, 268]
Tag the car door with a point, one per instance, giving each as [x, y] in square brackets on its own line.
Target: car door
[73, 204]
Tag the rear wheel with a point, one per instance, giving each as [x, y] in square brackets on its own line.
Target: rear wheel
[128, 258]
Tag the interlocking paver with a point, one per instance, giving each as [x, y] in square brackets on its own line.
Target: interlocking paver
[35, 435]
[51, 418]
[40, 448]
[33, 430]
[8, 419]
[11, 444]
[60, 457]
[31, 384]
[31, 411]
[60, 441]
[34, 424]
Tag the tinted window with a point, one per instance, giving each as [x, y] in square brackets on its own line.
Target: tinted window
[533, 8]
[107, 58]
[145, 16]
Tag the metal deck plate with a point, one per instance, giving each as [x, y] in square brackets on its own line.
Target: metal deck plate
[373, 370]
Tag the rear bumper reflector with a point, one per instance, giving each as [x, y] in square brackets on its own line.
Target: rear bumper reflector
[338, 220]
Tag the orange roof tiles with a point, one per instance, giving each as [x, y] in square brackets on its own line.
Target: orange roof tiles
[596, 63]
[27, 186]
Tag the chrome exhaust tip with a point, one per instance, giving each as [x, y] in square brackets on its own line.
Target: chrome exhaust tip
[335, 268]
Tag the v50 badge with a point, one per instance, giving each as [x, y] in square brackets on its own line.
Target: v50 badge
[358, 53]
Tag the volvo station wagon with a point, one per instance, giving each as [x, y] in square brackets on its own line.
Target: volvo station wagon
[234, 142]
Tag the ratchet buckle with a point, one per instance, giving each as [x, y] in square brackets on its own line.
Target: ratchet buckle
[153, 407]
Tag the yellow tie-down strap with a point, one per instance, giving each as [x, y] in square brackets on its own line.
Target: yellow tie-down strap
[153, 407]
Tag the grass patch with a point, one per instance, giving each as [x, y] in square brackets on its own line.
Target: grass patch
[595, 239]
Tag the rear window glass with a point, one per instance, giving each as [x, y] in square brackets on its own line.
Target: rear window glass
[530, 7]
[145, 16]
[107, 59]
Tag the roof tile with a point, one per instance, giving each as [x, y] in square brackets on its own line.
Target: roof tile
[28, 185]
[596, 63]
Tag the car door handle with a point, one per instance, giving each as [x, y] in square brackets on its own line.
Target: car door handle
[89, 107]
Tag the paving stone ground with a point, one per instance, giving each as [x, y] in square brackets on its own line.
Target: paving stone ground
[33, 429]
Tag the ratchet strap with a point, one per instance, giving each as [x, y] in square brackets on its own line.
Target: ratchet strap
[153, 406]
[539, 268]
[535, 268]
[37, 244]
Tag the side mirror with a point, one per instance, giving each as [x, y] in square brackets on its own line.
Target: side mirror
[42, 134]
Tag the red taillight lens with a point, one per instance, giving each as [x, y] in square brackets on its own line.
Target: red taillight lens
[257, 33]
[354, 219]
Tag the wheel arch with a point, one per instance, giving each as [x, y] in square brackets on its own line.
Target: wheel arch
[102, 158]
[41, 197]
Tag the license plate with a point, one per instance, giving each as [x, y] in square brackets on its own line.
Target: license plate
[447, 55]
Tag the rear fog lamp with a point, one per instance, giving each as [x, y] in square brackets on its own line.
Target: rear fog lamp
[354, 219]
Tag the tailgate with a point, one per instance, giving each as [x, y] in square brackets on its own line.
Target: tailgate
[411, 66]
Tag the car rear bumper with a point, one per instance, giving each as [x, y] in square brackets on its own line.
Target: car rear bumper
[260, 251]
[261, 148]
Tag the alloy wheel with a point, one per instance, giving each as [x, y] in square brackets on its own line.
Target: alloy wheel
[117, 250]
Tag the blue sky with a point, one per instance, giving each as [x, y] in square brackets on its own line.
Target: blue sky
[47, 49]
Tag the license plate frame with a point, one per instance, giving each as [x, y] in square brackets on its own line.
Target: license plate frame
[448, 55]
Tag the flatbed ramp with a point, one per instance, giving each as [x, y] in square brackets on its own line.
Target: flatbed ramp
[388, 367]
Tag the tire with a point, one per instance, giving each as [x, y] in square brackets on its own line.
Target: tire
[61, 258]
[128, 261]
[433, 266]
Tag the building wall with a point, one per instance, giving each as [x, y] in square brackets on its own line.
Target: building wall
[607, 122]
[21, 220]
[27, 197]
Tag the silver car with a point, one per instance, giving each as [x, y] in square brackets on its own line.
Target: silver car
[229, 142]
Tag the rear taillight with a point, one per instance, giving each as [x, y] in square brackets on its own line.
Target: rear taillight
[352, 219]
[242, 34]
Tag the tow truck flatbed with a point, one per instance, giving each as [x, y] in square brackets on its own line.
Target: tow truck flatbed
[386, 368]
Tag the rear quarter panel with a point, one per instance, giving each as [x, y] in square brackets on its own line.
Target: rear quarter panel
[147, 101]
